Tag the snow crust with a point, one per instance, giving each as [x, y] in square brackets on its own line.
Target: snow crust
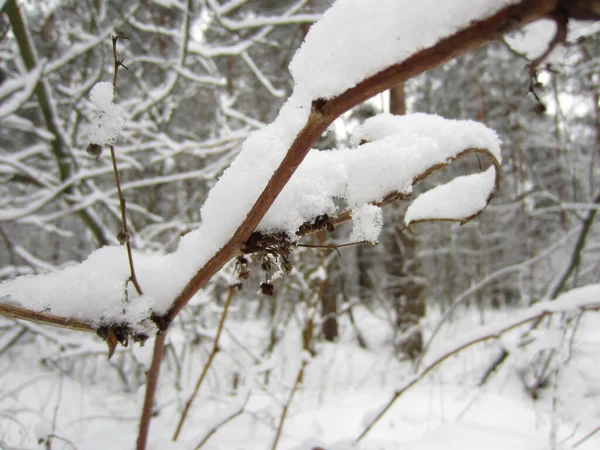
[459, 199]
[355, 39]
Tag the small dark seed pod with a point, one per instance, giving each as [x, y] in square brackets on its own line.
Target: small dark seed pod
[267, 289]
[94, 150]
[123, 237]
[244, 274]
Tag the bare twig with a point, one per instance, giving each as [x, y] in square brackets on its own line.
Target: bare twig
[286, 407]
[335, 247]
[586, 437]
[17, 312]
[223, 422]
[211, 356]
[118, 62]
[494, 333]
[123, 236]
[308, 337]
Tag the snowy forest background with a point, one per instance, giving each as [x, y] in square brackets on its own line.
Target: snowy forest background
[354, 327]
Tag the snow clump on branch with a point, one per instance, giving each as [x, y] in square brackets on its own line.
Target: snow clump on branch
[109, 120]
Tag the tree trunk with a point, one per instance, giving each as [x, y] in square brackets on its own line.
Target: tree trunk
[407, 290]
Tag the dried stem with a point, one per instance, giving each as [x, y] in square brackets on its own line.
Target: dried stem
[124, 233]
[152, 382]
[223, 422]
[118, 62]
[308, 336]
[586, 437]
[124, 237]
[16, 312]
[335, 247]
[286, 407]
[211, 357]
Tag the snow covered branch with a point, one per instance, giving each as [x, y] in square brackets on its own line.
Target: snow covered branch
[329, 80]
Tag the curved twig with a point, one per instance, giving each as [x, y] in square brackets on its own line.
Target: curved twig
[493, 333]
[211, 357]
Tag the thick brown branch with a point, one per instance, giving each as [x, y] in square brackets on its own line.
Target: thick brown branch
[16, 312]
[326, 111]
[152, 382]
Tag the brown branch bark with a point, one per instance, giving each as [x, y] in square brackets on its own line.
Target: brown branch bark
[153, 373]
[16, 312]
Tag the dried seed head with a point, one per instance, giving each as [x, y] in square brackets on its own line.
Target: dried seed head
[123, 237]
[94, 150]
[266, 265]
[244, 274]
[267, 289]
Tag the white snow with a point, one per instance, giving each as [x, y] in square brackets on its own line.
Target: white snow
[456, 200]
[356, 38]
[342, 383]
[367, 222]
[532, 41]
[398, 149]
[102, 95]
[109, 120]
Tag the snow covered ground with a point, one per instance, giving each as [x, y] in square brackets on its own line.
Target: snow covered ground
[88, 407]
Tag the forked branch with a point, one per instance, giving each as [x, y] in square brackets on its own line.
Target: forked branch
[325, 111]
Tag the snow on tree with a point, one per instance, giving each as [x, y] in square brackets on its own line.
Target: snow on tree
[278, 189]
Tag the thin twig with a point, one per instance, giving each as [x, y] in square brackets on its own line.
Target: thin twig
[123, 236]
[211, 357]
[335, 247]
[286, 407]
[308, 337]
[118, 62]
[223, 422]
[586, 437]
[494, 333]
